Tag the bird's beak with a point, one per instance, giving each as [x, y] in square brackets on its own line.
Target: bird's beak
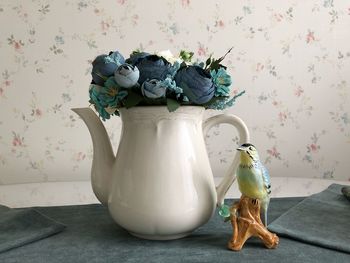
[240, 148]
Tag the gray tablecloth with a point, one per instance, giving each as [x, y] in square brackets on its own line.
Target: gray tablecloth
[19, 227]
[92, 236]
[322, 219]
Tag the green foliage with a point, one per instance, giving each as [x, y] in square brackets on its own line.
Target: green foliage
[186, 56]
[215, 64]
[172, 104]
[136, 51]
[132, 100]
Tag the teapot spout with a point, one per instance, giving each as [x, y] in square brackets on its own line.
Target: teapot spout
[103, 156]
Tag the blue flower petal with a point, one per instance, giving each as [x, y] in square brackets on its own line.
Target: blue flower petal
[106, 97]
[114, 57]
[222, 82]
[196, 83]
[153, 67]
[126, 75]
[136, 57]
[153, 89]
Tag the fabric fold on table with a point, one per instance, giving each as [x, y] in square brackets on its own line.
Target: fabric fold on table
[3, 208]
[322, 219]
[19, 227]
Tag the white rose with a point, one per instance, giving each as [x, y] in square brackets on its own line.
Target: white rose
[169, 56]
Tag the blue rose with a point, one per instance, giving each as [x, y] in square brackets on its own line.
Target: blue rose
[136, 57]
[104, 66]
[153, 89]
[153, 67]
[196, 83]
[115, 57]
[126, 75]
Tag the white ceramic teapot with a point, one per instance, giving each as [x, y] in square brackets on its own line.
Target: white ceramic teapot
[160, 184]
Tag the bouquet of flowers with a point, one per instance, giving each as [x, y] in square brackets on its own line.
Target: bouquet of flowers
[158, 79]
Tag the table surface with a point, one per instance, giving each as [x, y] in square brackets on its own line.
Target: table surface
[80, 192]
[92, 236]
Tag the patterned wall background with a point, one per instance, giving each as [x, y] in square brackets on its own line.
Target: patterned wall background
[291, 57]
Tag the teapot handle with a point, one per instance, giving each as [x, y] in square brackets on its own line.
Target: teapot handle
[243, 132]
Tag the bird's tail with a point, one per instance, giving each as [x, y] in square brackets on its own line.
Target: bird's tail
[265, 206]
[265, 218]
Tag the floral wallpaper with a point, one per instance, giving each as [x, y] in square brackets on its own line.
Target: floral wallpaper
[291, 57]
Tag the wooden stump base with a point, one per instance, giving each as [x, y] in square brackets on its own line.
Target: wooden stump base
[246, 222]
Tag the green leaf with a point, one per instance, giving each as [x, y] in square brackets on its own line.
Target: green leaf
[183, 65]
[208, 61]
[215, 64]
[172, 105]
[224, 211]
[186, 56]
[223, 57]
[132, 100]
[148, 101]
[136, 51]
[214, 100]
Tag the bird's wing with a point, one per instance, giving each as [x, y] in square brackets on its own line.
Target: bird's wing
[266, 177]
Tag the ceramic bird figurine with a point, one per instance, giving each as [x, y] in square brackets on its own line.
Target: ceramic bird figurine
[253, 178]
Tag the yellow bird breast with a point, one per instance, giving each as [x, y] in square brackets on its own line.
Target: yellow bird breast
[250, 183]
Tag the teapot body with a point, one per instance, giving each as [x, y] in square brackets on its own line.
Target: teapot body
[162, 185]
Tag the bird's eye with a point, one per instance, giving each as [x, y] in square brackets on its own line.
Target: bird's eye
[251, 148]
